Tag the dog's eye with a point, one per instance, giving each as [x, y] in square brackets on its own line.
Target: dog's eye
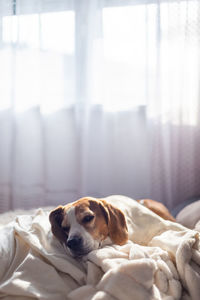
[66, 228]
[88, 219]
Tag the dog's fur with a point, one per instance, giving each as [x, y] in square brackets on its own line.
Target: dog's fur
[91, 223]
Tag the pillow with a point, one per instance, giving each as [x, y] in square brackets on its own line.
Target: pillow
[189, 215]
[197, 226]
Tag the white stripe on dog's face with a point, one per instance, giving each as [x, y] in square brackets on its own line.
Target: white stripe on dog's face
[75, 227]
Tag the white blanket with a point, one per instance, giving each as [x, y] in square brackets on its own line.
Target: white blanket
[161, 262]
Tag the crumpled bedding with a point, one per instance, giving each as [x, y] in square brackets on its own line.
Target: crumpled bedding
[33, 264]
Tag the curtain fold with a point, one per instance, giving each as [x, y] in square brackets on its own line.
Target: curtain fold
[99, 98]
[6, 7]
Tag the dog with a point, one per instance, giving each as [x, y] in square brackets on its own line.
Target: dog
[90, 223]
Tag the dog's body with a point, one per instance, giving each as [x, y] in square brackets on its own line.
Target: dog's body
[91, 223]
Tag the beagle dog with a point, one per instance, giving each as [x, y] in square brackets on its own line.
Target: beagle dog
[90, 223]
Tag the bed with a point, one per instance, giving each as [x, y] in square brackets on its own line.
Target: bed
[33, 264]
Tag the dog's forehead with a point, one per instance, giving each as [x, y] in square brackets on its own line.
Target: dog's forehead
[82, 207]
[85, 204]
[78, 209]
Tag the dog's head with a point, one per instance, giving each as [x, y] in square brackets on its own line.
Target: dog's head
[83, 225]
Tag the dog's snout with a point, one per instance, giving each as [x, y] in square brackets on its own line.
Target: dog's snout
[74, 243]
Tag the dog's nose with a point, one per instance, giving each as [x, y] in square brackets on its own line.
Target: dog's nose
[74, 243]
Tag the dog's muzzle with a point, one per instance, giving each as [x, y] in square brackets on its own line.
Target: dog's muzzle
[76, 247]
[75, 243]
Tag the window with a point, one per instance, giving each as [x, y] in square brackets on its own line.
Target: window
[37, 53]
[122, 55]
[121, 83]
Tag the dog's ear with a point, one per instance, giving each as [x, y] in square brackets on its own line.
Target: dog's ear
[117, 227]
[55, 218]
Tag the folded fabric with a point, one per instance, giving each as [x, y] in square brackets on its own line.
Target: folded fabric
[161, 261]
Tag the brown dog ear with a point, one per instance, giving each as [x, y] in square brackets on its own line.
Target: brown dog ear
[117, 227]
[55, 218]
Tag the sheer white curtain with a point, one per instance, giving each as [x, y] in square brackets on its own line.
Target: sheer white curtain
[98, 97]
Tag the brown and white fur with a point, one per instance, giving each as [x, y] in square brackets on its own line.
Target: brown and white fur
[90, 223]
